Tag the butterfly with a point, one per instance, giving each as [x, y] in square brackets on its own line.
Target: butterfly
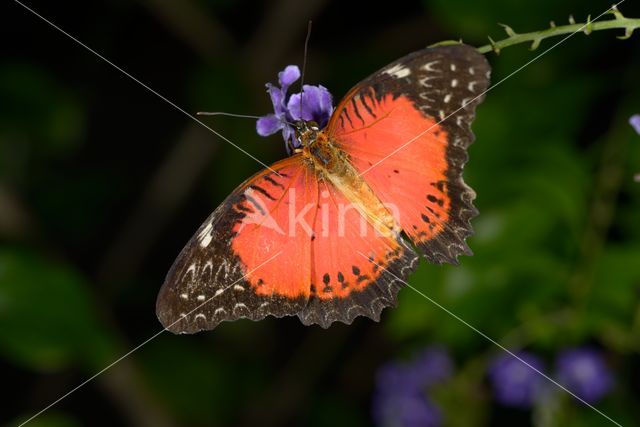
[333, 231]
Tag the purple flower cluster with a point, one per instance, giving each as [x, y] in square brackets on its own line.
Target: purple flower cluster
[583, 371]
[514, 383]
[400, 399]
[314, 103]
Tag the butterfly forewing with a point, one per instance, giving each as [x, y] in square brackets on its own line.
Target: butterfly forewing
[406, 129]
[239, 264]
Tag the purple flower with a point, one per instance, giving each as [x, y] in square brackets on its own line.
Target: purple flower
[634, 121]
[514, 383]
[585, 373]
[400, 398]
[314, 103]
[429, 367]
[432, 366]
[405, 410]
[396, 378]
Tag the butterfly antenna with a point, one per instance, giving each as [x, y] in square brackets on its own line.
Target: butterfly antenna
[304, 64]
[221, 113]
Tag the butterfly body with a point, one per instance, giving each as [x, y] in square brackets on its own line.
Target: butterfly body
[332, 164]
[323, 233]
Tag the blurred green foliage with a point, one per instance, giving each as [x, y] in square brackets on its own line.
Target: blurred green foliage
[49, 320]
[101, 184]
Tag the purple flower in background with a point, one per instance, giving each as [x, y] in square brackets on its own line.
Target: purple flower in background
[395, 378]
[585, 373]
[514, 383]
[400, 399]
[634, 121]
[413, 410]
[432, 366]
[313, 104]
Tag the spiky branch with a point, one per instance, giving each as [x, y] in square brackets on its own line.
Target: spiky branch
[618, 21]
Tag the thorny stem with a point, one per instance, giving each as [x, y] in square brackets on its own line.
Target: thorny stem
[535, 37]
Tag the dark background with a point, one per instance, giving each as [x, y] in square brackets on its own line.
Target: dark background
[102, 183]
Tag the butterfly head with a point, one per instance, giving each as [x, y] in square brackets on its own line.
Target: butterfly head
[297, 114]
[306, 132]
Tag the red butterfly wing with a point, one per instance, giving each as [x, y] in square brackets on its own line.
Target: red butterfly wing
[356, 270]
[406, 129]
[283, 244]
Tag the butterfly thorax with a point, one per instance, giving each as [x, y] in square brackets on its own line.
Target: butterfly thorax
[332, 164]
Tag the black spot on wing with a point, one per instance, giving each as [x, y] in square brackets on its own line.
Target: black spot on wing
[356, 111]
[345, 113]
[366, 106]
[262, 191]
[274, 182]
[326, 278]
[255, 204]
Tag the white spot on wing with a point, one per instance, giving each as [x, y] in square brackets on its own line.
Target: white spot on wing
[398, 71]
[223, 268]
[238, 288]
[429, 66]
[423, 81]
[205, 242]
[190, 271]
[205, 236]
[453, 67]
[184, 296]
[447, 98]
[200, 298]
[218, 292]
[201, 316]
[454, 82]
[208, 265]
[471, 85]
[426, 97]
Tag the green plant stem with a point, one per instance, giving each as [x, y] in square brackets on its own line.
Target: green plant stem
[535, 37]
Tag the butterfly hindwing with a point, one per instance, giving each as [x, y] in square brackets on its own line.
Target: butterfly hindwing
[406, 129]
[356, 270]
